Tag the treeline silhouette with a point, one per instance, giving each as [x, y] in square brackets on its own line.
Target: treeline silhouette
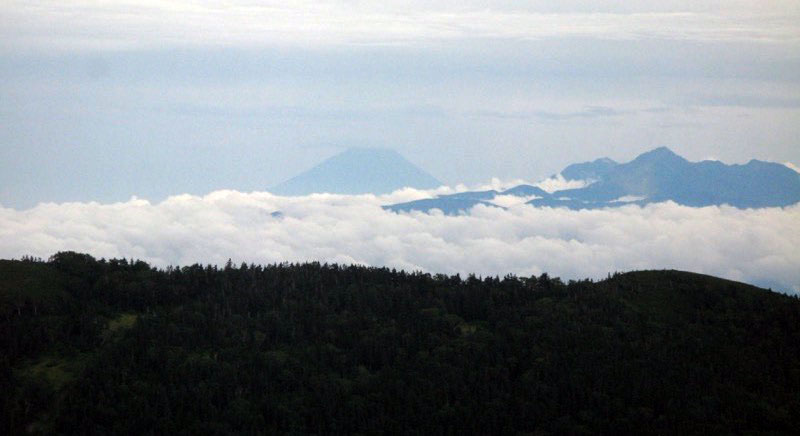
[93, 346]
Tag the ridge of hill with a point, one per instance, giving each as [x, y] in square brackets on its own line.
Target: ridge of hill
[116, 346]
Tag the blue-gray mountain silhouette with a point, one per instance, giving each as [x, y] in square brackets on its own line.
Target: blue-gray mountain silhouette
[359, 171]
[462, 202]
[594, 170]
[656, 176]
[449, 206]
[661, 175]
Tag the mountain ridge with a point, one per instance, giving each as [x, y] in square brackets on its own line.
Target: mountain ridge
[654, 176]
[662, 175]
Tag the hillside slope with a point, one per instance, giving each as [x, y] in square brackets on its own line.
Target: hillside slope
[312, 348]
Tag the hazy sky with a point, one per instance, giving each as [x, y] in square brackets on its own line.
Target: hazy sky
[105, 100]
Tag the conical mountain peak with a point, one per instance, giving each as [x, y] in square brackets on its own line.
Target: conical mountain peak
[359, 170]
[660, 154]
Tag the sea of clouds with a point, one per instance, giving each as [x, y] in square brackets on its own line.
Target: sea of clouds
[756, 245]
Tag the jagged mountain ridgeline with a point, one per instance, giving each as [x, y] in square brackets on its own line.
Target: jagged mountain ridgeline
[661, 175]
[656, 176]
[118, 347]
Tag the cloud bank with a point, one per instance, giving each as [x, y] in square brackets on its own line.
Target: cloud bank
[756, 246]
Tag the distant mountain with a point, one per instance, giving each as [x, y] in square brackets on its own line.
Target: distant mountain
[462, 202]
[661, 175]
[655, 176]
[594, 170]
[359, 171]
[449, 206]
[526, 191]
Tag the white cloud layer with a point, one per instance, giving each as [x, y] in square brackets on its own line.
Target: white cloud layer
[159, 23]
[757, 246]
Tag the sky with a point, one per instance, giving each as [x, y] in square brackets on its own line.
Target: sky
[101, 101]
[152, 129]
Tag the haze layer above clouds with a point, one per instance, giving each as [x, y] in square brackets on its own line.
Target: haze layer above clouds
[756, 246]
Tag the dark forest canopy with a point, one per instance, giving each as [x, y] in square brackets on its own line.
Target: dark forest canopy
[117, 346]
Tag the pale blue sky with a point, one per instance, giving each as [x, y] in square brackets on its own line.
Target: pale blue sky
[105, 101]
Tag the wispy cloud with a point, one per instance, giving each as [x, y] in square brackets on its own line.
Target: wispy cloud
[587, 112]
[753, 101]
[151, 23]
[749, 245]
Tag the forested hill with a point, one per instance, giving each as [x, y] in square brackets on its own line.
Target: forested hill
[100, 347]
